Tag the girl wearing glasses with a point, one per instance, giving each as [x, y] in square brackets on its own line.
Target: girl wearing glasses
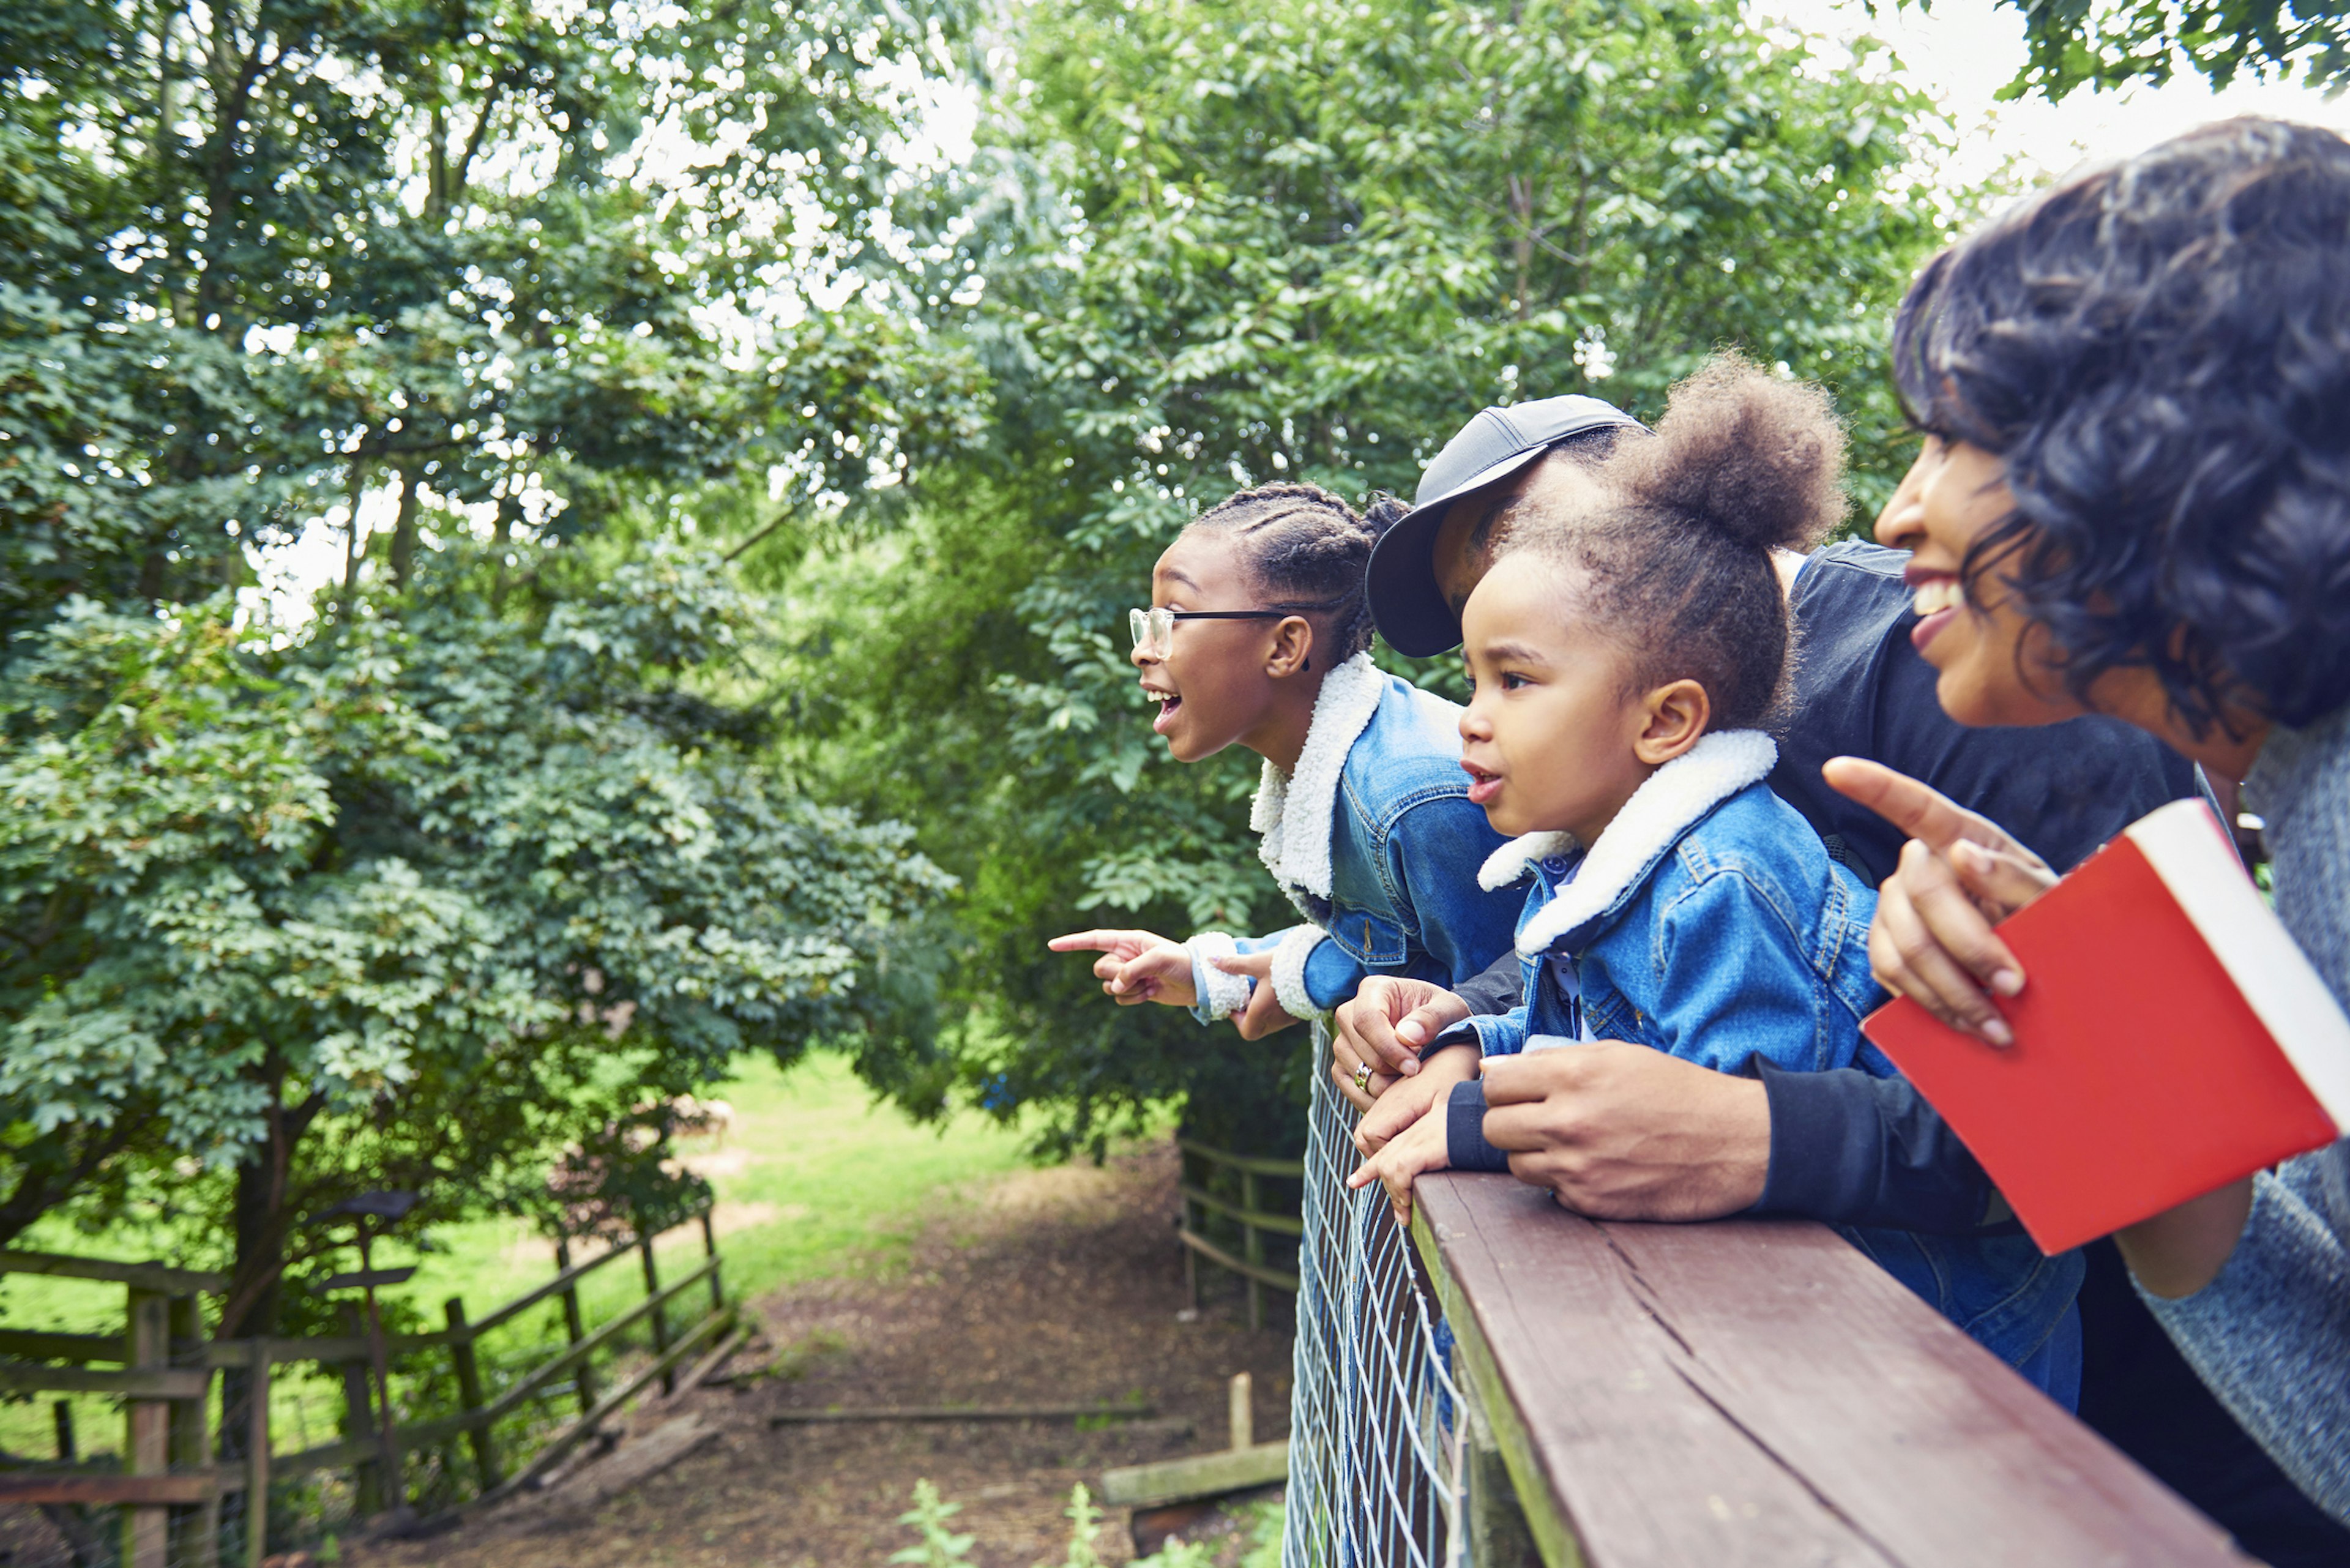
[1258, 634]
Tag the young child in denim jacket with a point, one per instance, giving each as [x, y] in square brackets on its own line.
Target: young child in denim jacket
[1626, 663]
[1258, 636]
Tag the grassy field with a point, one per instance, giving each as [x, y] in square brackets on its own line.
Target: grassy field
[812, 1179]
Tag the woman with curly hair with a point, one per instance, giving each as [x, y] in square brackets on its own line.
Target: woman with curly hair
[2134, 500]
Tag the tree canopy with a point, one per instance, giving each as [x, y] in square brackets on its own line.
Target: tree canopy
[1229, 243]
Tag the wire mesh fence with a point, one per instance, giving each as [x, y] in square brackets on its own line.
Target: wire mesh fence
[1376, 1457]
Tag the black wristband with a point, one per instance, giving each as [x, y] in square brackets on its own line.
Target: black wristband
[1464, 1130]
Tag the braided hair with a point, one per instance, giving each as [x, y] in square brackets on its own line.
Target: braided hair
[1308, 550]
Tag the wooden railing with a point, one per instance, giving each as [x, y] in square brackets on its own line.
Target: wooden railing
[169, 1489]
[1252, 1213]
[1753, 1392]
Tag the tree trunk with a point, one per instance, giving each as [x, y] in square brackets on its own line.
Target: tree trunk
[403, 532]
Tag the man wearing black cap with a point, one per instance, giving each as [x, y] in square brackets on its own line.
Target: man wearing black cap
[1620, 1131]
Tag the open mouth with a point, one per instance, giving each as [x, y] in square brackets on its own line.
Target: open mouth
[1168, 704]
[1482, 786]
[1937, 601]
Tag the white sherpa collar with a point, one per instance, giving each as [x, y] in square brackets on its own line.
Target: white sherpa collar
[1293, 813]
[1520, 854]
[1652, 821]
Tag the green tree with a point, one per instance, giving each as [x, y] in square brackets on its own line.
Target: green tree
[1231, 244]
[411, 905]
[2075, 43]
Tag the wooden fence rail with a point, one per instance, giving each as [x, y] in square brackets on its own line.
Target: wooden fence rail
[1250, 1213]
[1753, 1392]
[167, 1485]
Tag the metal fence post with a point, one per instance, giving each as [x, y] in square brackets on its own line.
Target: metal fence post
[469, 1392]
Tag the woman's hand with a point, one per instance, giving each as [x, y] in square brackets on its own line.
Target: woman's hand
[1619, 1131]
[1959, 874]
[1263, 1014]
[1136, 966]
[1388, 1023]
[1408, 1102]
[1421, 1149]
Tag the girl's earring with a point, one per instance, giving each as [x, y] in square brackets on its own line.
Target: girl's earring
[1309, 664]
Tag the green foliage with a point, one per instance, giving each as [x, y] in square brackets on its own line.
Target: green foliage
[2075, 43]
[939, 1547]
[1226, 244]
[413, 901]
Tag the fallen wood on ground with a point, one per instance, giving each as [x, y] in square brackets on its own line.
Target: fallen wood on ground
[1196, 1476]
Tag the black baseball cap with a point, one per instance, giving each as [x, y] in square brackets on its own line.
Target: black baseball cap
[1400, 582]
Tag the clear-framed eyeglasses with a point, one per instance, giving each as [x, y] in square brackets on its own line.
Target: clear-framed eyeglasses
[1154, 628]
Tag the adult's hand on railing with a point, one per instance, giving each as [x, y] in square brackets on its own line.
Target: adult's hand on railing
[1386, 1022]
[1620, 1131]
[1422, 1148]
[1961, 874]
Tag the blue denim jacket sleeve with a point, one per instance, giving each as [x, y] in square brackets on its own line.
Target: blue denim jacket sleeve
[1434, 853]
[1331, 975]
[1745, 988]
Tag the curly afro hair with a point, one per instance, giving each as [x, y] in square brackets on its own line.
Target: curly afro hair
[1676, 562]
[2159, 350]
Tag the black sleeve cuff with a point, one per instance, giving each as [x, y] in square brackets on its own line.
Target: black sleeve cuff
[1853, 1149]
[1502, 987]
[1464, 1130]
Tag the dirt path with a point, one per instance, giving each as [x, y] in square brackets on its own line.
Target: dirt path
[1064, 1286]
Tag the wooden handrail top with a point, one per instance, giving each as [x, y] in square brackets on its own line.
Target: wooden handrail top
[1256, 1165]
[1757, 1392]
[157, 1277]
[1281, 1224]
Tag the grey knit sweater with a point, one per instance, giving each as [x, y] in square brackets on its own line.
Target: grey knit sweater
[2270, 1334]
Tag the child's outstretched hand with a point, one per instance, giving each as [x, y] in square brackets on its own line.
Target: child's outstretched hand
[1420, 1148]
[1263, 1014]
[1135, 966]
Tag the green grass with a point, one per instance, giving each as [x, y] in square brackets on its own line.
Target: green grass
[814, 1179]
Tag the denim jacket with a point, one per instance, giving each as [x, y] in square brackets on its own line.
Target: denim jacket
[1373, 838]
[1708, 923]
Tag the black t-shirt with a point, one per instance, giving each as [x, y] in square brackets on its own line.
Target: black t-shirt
[1861, 690]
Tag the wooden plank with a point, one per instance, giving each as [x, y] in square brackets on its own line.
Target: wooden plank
[1293, 1168]
[1286, 1224]
[157, 1277]
[146, 1446]
[570, 1437]
[1922, 1437]
[1196, 1476]
[711, 1363]
[33, 1346]
[937, 1413]
[1756, 1392]
[634, 1462]
[139, 1383]
[1241, 1266]
[29, 1487]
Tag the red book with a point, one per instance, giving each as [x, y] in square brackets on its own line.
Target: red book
[2169, 1038]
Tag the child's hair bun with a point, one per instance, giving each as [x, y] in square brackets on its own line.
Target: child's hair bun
[1755, 459]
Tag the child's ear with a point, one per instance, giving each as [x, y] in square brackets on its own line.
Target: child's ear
[1293, 647]
[1677, 713]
